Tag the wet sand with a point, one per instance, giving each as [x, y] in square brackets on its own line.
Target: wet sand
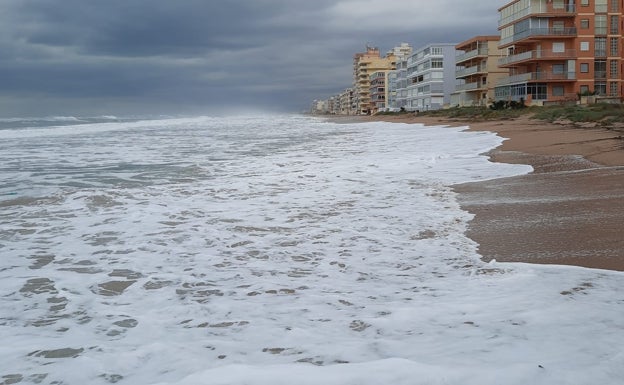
[570, 210]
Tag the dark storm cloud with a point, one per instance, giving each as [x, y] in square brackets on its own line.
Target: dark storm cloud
[269, 53]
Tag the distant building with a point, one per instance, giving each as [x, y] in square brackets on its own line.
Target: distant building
[378, 91]
[391, 89]
[364, 64]
[396, 97]
[346, 101]
[319, 107]
[402, 51]
[398, 84]
[477, 71]
[430, 77]
[557, 49]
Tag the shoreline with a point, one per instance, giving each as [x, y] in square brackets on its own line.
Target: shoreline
[568, 211]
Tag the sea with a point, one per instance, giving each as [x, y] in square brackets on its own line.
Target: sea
[274, 250]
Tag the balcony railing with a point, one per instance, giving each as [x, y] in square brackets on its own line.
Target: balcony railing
[548, 9]
[483, 51]
[554, 32]
[536, 55]
[468, 86]
[470, 71]
[537, 76]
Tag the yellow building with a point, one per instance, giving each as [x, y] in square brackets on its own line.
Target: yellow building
[364, 65]
[477, 71]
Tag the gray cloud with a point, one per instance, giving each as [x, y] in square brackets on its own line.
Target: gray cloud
[80, 56]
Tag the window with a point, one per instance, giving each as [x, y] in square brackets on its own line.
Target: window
[614, 24]
[436, 50]
[537, 91]
[502, 92]
[558, 69]
[600, 25]
[584, 3]
[584, 90]
[584, 46]
[558, 47]
[557, 91]
[436, 63]
[600, 46]
[615, 5]
[584, 67]
[584, 23]
[558, 26]
[613, 69]
[614, 46]
[525, 25]
[600, 69]
[613, 89]
[600, 6]
[600, 88]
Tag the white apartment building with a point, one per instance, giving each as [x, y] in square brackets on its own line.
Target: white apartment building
[397, 79]
[402, 51]
[430, 77]
[397, 85]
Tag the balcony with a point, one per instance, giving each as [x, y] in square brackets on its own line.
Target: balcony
[471, 54]
[537, 77]
[541, 10]
[536, 55]
[469, 86]
[470, 71]
[539, 32]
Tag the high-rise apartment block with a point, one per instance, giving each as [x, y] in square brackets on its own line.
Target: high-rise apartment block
[477, 71]
[430, 77]
[558, 49]
[364, 65]
[379, 88]
[398, 85]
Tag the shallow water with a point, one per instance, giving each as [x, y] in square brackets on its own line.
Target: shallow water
[264, 249]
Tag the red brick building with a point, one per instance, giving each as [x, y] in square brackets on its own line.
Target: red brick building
[558, 49]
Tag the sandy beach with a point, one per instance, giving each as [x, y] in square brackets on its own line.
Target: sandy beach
[569, 211]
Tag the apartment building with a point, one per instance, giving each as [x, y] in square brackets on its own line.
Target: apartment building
[391, 86]
[398, 85]
[397, 79]
[402, 51]
[557, 49]
[346, 101]
[430, 77]
[379, 90]
[365, 64]
[477, 71]
[319, 107]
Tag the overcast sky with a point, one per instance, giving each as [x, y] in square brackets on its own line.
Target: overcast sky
[91, 57]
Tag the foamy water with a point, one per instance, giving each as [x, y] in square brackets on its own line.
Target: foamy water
[276, 250]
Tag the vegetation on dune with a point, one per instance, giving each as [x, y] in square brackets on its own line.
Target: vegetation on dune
[605, 115]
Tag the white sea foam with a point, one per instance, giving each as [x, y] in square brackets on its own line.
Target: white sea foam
[277, 251]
